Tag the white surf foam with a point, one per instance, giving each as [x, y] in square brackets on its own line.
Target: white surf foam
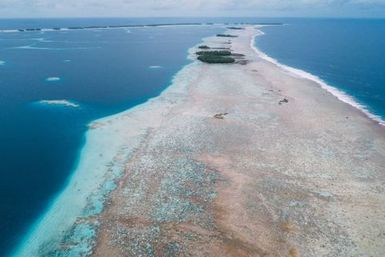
[41, 39]
[339, 94]
[155, 67]
[61, 102]
[9, 30]
[32, 47]
[52, 79]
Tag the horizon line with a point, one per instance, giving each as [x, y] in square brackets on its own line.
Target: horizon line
[196, 17]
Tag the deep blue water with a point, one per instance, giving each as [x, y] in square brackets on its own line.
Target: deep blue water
[347, 54]
[104, 71]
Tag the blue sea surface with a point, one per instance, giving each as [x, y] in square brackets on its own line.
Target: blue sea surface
[93, 73]
[348, 54]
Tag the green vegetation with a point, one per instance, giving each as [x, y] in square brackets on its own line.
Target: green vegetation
[38, 29]
[215, 56]
[225, 35]
[236, 28]
[216, 59]
[214, 53]
[204, 47]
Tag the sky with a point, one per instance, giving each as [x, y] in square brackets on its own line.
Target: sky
[197, 8]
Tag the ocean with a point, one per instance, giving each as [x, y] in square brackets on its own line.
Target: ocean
[347, 56]
[53, 83]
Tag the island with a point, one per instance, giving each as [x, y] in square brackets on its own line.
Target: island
[244, 159]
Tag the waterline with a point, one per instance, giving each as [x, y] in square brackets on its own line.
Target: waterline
[339, 94]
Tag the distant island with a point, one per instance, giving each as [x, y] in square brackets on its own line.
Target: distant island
[226, 35]
[215, 56]
[135, 26]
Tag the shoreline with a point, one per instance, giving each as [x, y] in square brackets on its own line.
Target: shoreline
[147, 117]
[43, 224]
[338, 93]
[46, 226]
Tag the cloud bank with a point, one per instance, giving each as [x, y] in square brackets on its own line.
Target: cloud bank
[36, 8]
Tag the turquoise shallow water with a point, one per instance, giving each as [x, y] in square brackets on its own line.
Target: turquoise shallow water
[347, 54]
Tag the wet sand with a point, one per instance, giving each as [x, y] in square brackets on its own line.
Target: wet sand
[285, 169]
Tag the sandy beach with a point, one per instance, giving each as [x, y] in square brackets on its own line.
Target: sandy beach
[231, 160]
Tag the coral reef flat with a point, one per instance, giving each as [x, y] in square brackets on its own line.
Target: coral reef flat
[289, 170]
[242, 159]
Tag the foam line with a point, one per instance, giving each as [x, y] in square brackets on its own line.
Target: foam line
[62, 102]
[53, 79]
[31, 47]
[342, 96]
